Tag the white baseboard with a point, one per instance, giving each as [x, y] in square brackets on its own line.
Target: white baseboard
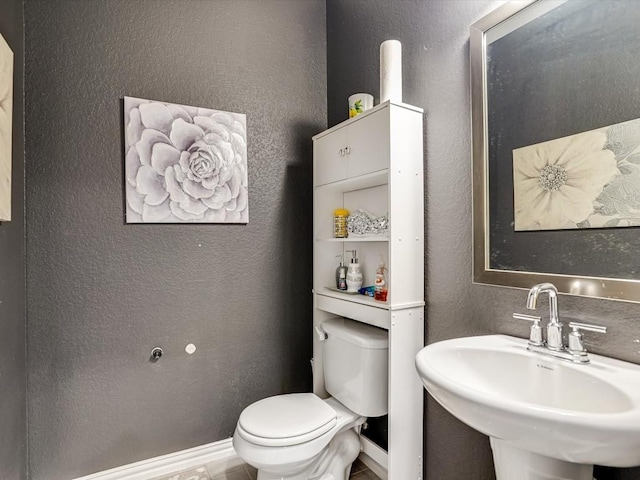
[374, 457]
[223, 455]
[221, 451]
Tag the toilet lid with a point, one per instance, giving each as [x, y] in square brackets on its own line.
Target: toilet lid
[287, 419]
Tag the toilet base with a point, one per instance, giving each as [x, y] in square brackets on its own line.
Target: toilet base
[333, 463]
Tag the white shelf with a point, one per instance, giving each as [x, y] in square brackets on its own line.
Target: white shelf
[325, 301]
[372, 111]
[354, 239]
[366, 300]
[375, 179]
[361, 299]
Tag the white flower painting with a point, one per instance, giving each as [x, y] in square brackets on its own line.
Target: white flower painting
[6, 108]
[587, 180]
[184, 164]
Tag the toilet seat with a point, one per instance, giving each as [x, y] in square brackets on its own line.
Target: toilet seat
[286, 459]
[286, 420]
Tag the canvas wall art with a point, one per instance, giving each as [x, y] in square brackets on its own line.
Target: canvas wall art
[184, 164]
[587, 180]
[6, 109]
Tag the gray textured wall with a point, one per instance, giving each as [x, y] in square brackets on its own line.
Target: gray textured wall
[434, 36]
[101, 293]
[13, 383]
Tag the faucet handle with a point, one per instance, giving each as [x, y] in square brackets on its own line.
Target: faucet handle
[576, 343]
[535, 335]
[576, 326]
[530, 318]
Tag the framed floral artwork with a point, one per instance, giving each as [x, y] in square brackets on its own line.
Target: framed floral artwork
[184, 164]
[587, 180]
[6, 109]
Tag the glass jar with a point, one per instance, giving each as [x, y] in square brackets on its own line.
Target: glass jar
[340, 223]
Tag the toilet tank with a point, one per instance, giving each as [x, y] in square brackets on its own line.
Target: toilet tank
[356, 366]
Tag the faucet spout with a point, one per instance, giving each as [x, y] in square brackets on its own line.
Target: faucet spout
[554, 327]
[532, 300]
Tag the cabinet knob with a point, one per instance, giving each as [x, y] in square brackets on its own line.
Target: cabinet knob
[347, 150]
[341, 152]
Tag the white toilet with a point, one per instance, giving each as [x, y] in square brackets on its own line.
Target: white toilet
[303, 437]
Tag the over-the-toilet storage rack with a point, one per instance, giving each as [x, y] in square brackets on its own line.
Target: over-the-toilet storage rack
[374, 162]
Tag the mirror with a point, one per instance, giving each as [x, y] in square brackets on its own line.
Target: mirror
[555, 90]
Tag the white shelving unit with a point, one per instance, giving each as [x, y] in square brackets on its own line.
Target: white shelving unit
[373, 162]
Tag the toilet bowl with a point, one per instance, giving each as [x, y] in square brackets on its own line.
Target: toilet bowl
[298, 437]
[303, 437]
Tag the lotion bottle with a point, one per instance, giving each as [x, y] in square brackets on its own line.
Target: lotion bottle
[354, 274]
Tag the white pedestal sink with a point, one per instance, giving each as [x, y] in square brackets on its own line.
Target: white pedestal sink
[548, 419]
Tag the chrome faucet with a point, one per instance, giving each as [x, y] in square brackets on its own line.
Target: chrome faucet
[554, 327]
[554, 346]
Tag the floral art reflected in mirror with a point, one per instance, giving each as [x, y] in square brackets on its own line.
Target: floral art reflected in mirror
[587, 180]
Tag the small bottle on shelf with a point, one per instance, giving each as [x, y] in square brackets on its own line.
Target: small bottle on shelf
[341, 274]
[340, 223]
[380, 283]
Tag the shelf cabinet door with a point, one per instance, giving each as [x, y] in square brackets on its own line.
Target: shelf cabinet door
[368, 143]
[358, 148]
[331, 164]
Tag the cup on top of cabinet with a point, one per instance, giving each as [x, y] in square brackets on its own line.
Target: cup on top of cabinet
[359, 103]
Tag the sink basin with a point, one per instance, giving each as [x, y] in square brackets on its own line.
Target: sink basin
[533, 405]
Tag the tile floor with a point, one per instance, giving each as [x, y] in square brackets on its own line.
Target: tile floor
[242, 471]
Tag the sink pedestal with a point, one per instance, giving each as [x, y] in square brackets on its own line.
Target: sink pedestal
[513, 463]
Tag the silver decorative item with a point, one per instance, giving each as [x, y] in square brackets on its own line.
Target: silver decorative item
[362, 223]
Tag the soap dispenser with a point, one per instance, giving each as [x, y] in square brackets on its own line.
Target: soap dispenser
[354, 274]
[341, 274]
